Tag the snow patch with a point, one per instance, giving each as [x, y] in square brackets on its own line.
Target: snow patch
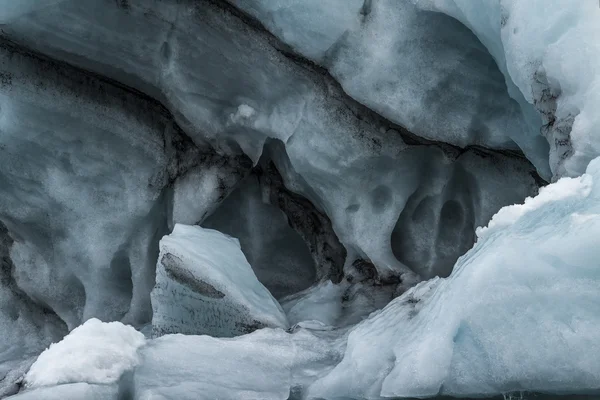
[95, 352]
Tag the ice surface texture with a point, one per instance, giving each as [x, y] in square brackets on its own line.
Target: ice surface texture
[422, 70]
[377, 135]
[549, 54]
[267, 364]
[519, 312]
[95, 352]
[234, 87]
[204, 285]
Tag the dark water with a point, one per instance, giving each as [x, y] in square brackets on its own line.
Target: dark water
[522, 396]
[512, 396]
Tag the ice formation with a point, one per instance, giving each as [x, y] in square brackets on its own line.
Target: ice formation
[306, 164]
[325, 133]
[204, 285]
[519, 312]
[94, 352]
[548, 52]
[268, 364]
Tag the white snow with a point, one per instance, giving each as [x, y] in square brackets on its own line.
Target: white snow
[205, 285]
[95, 352]
[519, 312]
[243, 111]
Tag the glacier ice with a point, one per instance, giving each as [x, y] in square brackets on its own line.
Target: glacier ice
[422, 70]
[519, 312]
[268, 94]
[353, 147]
[204, 285]
[83, 169]
[95, 352]
[548, 52]
[268, 364]
[198, 191]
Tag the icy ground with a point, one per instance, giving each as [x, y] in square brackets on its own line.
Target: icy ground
[299, 199]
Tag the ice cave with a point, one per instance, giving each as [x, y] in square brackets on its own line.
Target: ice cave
[299, 199]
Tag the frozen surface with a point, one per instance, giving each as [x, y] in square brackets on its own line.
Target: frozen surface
[204, 285]
[94, 352]
[519, 312]
[550, 54]
[267, 365]
[356, 167]
[93, 173]
[82, 168]
[422, 70]
[311, 27]
[390, 201]
[328, 306]
[26, 328]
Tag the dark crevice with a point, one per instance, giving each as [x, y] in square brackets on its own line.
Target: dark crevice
[313, 226]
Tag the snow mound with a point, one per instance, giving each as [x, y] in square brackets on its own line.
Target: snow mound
[519, 311]
[95, 352]
[205, 285]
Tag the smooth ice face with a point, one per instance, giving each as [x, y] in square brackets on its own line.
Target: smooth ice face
[268, 364]
[204, 285]
[95, 352]
[82, 169]
[26, 328]
[519, 311]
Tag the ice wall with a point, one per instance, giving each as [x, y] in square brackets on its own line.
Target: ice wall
[422, 70]
[235, 86]
[519, 311]
[548, 52]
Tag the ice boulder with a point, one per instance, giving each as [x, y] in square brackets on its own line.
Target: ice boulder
[519, 311]
[95, 352]
[205, 285]
[268, 364]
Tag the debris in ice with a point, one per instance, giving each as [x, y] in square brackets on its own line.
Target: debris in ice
[205, 285]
